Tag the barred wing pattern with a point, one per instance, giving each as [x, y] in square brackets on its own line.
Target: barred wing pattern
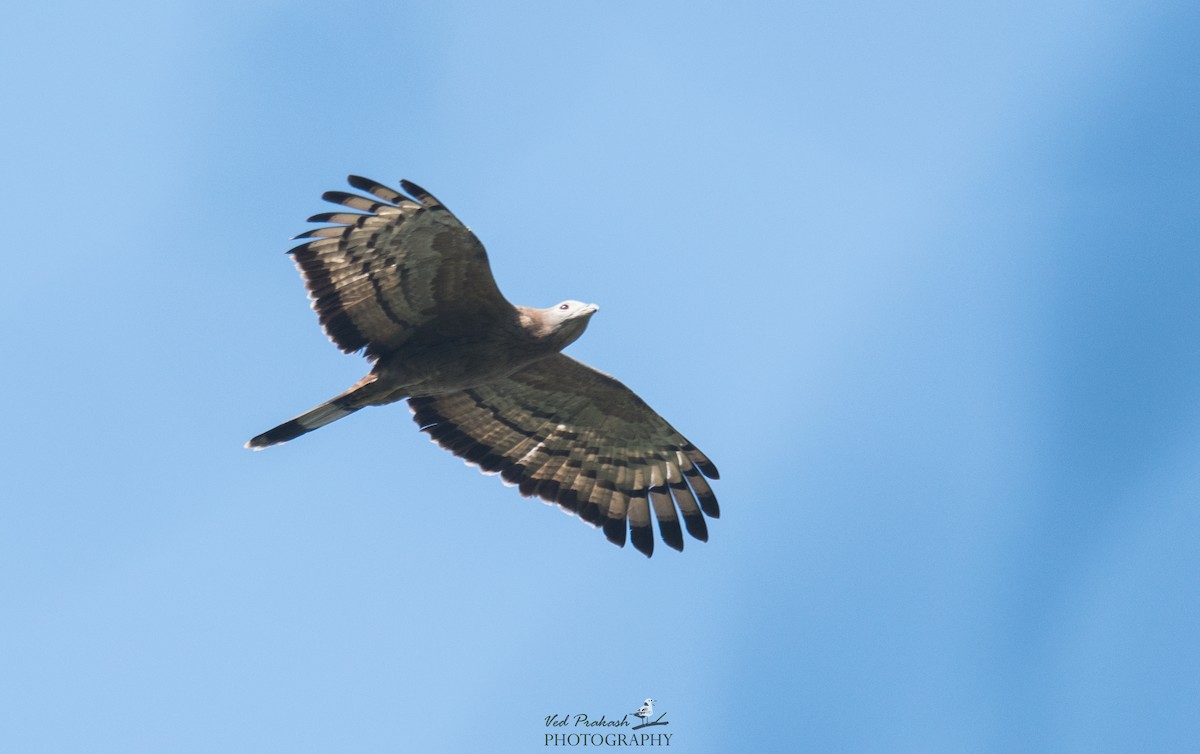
[574, 436]
[400, 262]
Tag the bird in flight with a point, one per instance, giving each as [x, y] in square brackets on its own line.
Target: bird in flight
[401, 279]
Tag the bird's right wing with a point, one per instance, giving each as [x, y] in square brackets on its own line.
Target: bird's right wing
[377, 275]
[576, 437]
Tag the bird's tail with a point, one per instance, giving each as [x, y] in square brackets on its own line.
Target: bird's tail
[363, 394]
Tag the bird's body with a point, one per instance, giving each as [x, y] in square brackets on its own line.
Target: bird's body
[409, 284]
[441, 359]
[646, 710]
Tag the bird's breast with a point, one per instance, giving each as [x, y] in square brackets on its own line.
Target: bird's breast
[458, 364]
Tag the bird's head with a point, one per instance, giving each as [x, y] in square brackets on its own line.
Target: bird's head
[568, 320]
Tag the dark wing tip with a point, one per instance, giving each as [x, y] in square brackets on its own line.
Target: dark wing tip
[614, 530]
[420, 194]
[513, 475]
[696, 527]
[375, 188]
[700, 460]
[671, 534]
[642, 538]
[590, 512]
[566, 498]
[363, 184]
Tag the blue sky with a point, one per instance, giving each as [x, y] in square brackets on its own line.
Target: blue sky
[922, 280]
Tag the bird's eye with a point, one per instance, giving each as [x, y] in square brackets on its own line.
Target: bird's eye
[564, 307]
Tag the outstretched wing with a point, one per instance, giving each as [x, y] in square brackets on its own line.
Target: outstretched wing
[576, 437]
[377, 275]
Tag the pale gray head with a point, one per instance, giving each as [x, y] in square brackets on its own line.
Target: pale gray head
[571, 318]
[563, 323]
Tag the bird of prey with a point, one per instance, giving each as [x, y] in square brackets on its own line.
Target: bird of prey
[403, 280]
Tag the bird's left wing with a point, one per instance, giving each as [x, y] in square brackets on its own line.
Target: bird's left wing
[574, 436]
[397, 263]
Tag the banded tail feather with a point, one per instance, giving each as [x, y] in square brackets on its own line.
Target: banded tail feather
[364, 394]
